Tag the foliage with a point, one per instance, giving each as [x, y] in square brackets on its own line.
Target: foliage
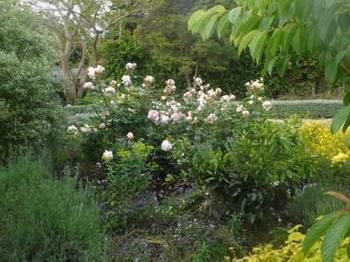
[30, 114]
[311, 203]
[292, 250]
[280, 163]
[221, 159]
[161, 44]
[45, 219]
[320, 141]
[127, 179]
[333, 227]
[275, 31]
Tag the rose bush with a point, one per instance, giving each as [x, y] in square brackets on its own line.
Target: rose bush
[201, 137]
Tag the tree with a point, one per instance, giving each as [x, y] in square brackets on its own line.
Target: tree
[78, 26]
[277, 30]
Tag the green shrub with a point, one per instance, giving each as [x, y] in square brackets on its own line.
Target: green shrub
[30, 115]
[261, 164]
[43, 219]
[127, 178]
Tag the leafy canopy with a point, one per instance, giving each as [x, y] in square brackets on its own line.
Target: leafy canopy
[274, 31]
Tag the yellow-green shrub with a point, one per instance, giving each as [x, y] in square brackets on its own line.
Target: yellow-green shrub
[291, 251]
[320, 141]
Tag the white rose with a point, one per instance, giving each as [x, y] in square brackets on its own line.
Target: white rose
[99, 69]
[130, 136]
[149, 79]
[72, 130]
[240, 109]
[107, 155]
[88, 85]
[110, 90]
[176, 117]
[189, 118]
[212, 118]
[166, 146]
[113, 83]
[130, 66]
[85, 129]
[198, 81]
[91, 72]
[218, 91]
[164, 119]
[267, 105]
[245, 113]
[126, 80]
[102, 126]
[153, 115]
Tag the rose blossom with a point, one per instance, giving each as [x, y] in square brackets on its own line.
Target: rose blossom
[153, 115]
[107, 155]
[267, 105]
[166, 146]
[130, 136]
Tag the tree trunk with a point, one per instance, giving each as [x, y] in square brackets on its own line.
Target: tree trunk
[69, 86]
[188, 80]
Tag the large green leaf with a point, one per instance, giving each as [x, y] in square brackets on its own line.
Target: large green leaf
[346, 100]
[194, 21]
[274, 43]
[288, 33]
[234, 14]
[339, 119]
[341, 55]
[317, 230]
[331, 71]
[283, 7]
[296, 42]
[303, 8]
[223, 24]
[257, 45]
[283, 65]
[245, 41]
[210, 27]
[266, 23]
[334, 236]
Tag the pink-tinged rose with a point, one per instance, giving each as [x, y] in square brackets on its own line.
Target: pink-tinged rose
[153, 115]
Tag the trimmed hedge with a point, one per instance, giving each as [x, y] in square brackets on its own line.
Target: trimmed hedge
[306, 108]
[313, 109]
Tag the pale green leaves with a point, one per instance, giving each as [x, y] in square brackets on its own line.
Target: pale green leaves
[277, 30]
[234, 14]
[205, 22]
[257, 45]
[333, 227]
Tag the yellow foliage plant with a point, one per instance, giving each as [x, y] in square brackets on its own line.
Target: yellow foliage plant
[319, 141]
[291, 251]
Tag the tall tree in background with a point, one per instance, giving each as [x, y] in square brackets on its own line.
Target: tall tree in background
[78, 26]
[164, 32]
